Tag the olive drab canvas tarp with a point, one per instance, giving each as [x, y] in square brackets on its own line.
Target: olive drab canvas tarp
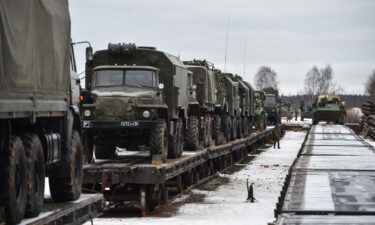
[34, 46]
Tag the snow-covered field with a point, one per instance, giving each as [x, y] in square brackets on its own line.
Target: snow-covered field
[227, 204]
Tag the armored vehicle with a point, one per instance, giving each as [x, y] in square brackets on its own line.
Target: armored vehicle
[136, 98]
[207, 112]
[260, 118]
[39, 117]
[329, 108]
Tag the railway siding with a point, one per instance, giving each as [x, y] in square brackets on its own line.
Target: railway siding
[331, 181]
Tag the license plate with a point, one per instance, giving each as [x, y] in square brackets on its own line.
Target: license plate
[129, 124]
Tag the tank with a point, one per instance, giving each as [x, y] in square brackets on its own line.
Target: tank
[328, 108]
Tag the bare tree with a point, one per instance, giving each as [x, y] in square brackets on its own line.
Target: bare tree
[312, 81]
[320, 82]
[325, 80]
[370, 86]
[266, 77]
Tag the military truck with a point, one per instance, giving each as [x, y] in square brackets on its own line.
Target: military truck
[272, 109]
[260, 118]
[206, 126]
[39, 118]
[251, 107]
[329, 108]
[137, 98]
[245, 100]
[228, 98]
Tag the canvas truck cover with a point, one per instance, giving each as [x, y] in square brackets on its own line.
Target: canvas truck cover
[34, 55]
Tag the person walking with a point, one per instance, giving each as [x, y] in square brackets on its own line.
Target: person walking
[276, 136]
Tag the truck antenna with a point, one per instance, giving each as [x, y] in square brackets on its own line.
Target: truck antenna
[244, 55]
[226, 41]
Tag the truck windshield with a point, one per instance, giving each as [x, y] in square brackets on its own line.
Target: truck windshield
[270, 100]
[141, 78]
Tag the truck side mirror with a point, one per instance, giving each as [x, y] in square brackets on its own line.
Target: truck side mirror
[89, 54]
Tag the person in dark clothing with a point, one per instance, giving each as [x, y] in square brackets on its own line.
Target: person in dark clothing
[276, 136]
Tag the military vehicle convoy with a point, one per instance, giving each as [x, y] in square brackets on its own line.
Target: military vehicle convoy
[39, 117]
[329, 108]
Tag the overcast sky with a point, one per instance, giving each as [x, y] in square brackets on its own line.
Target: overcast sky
[288, 36]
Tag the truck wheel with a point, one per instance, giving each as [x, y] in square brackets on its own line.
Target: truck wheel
[239, 128]
[14, 177]
[227, 128]
[207, 131]
[192, 134]
[245, 126]
[69, 188]
[37, 173]
[176, 143]
[159, 139]
[105, 151]
[234, 129]
[216, 133]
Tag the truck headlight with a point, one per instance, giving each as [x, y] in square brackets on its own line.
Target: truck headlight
[146, 114]
[87, 113]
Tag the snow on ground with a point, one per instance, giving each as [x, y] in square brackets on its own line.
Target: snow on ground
[306, 121]
[227, 204]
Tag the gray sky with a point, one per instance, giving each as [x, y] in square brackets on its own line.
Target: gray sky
[289, 36]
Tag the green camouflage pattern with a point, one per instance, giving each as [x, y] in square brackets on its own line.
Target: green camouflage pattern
[329, 108]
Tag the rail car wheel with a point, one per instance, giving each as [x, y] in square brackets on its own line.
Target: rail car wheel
[36, 177]
[159, 140]
[14, 178]
[105, 151]
[68, 188]
[176, 143]
[192, 134]
[216, 132]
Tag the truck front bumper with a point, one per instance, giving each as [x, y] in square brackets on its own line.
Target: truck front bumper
[109, 124]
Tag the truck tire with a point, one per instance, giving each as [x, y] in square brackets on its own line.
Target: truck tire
[239, 128]
[159, 139]
[69, 188]
[234, 129]
[192, 134]
[37, 173]
[176, 143]
[245, 126]
[14, 177]
[105, 151]
[216, 132]
[227, 128]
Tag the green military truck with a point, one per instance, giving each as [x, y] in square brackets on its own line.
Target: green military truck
[260, 118]
[205, 117]
[329, 108]
[136, 98]
[39, 117]
[245, 99]
[229, 100]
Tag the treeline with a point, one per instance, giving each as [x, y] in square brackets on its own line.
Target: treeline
[351, 101]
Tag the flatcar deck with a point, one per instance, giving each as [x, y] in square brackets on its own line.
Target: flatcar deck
[332, 181]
